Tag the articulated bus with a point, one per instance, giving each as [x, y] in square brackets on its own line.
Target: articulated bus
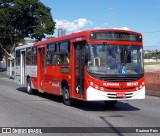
[93, 65]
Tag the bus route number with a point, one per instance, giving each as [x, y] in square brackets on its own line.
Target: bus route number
[132, 84]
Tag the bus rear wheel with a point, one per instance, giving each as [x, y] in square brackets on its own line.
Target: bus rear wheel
[110, 103]
[29, 88]
[66, 96]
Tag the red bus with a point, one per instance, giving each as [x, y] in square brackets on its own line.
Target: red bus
[93, 65]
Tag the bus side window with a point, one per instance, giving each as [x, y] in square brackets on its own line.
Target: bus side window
[17, 57]
[29, 56]
[34, 55]
[64, 53]
[51, 54]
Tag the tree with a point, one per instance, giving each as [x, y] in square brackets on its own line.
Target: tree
[23, 18]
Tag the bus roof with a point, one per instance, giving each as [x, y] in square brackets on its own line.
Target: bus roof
[23, 46]
[12, 57]
[81, 34]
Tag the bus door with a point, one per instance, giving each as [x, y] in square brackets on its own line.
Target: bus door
[22, 67]
[78, 68]
[41, 67]
[13, 69]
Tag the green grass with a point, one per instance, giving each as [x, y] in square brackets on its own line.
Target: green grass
[151, 63]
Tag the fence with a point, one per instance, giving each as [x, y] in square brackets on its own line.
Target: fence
[152, 80]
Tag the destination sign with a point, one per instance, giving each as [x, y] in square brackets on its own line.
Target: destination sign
[118, 36]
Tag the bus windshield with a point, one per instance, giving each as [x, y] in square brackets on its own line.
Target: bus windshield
[115, 59]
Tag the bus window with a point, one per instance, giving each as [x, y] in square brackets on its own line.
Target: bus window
[34, 56]
[63, 55]
[31, 56]
[28, 56]
[17, 57]
[51, 54]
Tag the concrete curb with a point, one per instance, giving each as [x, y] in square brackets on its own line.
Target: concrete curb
[153, 93]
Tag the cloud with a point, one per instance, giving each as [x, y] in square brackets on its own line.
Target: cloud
[80, 24]
[99, 28]
[123, 28]
[72, 26]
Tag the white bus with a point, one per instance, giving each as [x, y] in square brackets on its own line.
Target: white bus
[22, 68]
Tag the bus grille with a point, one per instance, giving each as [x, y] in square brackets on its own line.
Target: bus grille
[120, 79]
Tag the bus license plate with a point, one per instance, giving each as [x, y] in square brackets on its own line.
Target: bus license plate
[120, 95]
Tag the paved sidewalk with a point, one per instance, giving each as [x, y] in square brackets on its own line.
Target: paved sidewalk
[3, 73]
[152, 68]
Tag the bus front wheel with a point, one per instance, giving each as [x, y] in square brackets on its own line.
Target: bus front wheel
[66, 96]
[29, 88]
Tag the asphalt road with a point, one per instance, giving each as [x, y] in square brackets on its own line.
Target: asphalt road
[18, 109]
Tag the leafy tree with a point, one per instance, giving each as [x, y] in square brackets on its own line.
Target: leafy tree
[155, 55]
[23, 18]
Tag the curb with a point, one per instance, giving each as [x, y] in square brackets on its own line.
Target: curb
[153, 93]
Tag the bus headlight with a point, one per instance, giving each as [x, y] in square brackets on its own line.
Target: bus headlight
[102, 89]
[96, 86]
[91, 83]
[140, 86]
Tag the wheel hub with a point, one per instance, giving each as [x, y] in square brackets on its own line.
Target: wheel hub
[66, 95]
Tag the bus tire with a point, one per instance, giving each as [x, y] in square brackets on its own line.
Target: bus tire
[29, 88]
[66, 96]
[110, 103]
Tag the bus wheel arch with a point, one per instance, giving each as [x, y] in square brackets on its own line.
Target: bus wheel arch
[67, 100]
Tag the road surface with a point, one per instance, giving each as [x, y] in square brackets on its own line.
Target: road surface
[18, 109]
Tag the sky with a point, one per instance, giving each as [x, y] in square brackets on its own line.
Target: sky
[138, 15]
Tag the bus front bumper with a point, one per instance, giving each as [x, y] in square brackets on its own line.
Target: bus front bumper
[93, 94]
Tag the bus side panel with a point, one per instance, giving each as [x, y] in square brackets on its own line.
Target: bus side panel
[31, 71]
[52, 87]
[51, 84]
[62, 74]
[17, 74]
